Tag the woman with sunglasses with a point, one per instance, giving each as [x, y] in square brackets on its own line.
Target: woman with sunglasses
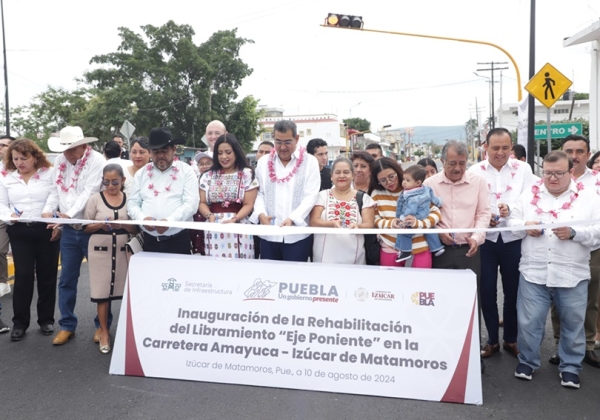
[385, 188]
[106, 249]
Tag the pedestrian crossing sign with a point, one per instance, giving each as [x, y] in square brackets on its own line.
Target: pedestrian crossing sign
[548, 85]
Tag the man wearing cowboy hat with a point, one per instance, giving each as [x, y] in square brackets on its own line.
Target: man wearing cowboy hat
[164, 190]
[77, 175]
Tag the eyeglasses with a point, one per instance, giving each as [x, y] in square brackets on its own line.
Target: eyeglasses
[2, 145]
[205, 164]
[557, 175]
[390, 178]
[115, 182]
[284, 142]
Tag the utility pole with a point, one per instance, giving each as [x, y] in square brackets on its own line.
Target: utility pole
[5, 72]
[493, 69]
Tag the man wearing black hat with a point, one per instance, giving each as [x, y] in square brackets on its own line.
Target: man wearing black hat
[164, 190]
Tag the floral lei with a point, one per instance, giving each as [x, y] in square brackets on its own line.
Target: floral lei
[173, 175]
[271, 165]
[515, 167]
[535, 189]
[60, 180]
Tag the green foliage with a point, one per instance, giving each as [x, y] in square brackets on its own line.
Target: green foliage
[158, 77]
[579, 96]
[359, 124]
[419, 153]
[242, 122]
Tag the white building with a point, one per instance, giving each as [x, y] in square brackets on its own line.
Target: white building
[508, 118]
[323, 126]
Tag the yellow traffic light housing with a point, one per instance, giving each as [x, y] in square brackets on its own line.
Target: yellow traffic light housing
[344, 21]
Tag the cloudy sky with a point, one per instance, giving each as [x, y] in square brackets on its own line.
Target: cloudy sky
[306, 69]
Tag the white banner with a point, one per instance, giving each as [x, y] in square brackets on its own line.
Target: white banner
[409, 333]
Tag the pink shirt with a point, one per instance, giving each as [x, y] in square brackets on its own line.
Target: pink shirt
[465, 204]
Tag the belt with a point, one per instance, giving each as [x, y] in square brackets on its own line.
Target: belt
[164, 238]
[76, 226]
[222, 208]
[29, 224]
[457, 245]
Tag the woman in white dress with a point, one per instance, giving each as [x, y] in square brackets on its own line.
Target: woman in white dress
[342, 207]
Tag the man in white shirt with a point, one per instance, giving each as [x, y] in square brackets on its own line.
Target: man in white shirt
[164, 190]
[4, 286]
[289, 185]
[214, 129]
[555, 266]
[78, 175]
[506, 179]
[578, 149]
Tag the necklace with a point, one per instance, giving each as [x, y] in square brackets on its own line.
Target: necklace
[60, 179]
[271, 166]
[499, 194]
[535, 189]
[173, 176]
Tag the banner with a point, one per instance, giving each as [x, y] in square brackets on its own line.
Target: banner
[410, 333]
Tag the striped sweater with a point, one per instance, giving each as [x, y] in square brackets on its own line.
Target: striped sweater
[385, 213]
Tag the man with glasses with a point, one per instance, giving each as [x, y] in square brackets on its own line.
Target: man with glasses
[555, 266]
[4, 286]
[289, 185]
[165, 190]
[465, 205]
[578, 149]
[507, 179]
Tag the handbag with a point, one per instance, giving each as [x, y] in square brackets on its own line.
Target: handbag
[372, 245]
[135, 244]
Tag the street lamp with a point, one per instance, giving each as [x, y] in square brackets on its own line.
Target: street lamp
[330, 23]
[353, 106]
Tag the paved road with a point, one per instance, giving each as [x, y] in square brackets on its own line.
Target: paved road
[39, 381]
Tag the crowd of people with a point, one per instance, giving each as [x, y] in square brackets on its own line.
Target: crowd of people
[541, 270]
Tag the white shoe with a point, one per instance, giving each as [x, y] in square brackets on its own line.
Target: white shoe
[4, 289]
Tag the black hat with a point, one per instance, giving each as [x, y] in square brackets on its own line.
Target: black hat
[161, 137]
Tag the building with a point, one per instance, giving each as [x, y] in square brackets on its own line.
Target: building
[560, 111]
[323, 126]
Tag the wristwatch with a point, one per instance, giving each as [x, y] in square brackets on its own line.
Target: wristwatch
[573, 233]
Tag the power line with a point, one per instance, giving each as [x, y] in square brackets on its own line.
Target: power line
[397, 90]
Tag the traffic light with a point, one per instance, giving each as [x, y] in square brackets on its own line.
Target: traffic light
[344, 21]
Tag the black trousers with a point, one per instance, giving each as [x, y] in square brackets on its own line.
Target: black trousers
[179, 243]
[35, 257]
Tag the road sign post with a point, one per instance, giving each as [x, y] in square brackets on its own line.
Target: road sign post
[547, 86]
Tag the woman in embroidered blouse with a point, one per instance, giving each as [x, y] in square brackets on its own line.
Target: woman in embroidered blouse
[106, 248]
[386, 186]
[227, 194]
[24, 187]
[338, 208]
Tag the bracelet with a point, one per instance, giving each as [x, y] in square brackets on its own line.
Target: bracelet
[208, 215]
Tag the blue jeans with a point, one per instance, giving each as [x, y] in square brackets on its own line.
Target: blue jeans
[506, 256]
[73, 248]
[533, 303]
[404, 242]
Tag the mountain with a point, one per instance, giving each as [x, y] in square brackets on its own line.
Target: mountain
[439, 135]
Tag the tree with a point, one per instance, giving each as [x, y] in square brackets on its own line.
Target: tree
[359, 124]
[243, 122]
[161, 78]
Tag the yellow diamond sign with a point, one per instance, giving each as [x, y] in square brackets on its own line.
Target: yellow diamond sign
[548, 85]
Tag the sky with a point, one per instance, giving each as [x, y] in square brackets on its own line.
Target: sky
[402, 81]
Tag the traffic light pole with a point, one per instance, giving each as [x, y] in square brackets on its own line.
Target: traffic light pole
[471, 41]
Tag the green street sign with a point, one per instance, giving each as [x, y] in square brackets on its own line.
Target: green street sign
[558, 131]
